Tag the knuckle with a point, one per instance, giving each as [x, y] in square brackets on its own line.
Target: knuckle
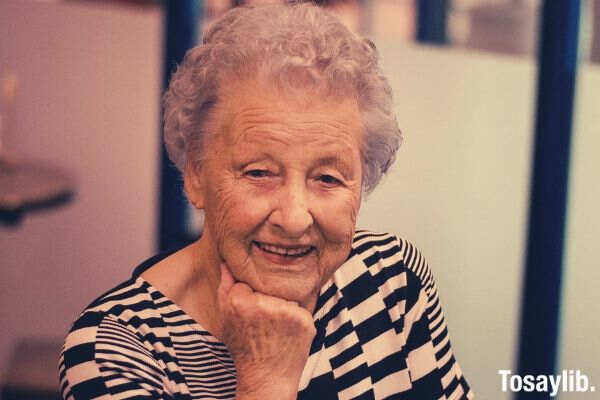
[235, 300]
[239, 302]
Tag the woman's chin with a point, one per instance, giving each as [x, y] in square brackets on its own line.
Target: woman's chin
[302, 291]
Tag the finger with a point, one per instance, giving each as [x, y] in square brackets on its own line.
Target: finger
[287, 314]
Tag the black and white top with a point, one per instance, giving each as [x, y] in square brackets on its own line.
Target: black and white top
[381, 334]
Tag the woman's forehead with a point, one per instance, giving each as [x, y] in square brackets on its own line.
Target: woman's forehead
[256, 111]
[272, 89]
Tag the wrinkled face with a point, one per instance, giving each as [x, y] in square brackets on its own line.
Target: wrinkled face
[281, 187]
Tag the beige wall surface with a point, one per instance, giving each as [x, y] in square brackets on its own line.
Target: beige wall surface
[88, 100]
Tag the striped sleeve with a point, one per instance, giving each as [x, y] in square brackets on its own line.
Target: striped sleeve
[433, 370]
[102, 359]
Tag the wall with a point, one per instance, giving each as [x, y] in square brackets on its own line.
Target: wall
[89, 87]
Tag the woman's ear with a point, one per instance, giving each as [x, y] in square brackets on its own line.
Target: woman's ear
[193, 182]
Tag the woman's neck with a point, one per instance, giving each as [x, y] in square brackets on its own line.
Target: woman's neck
[190, 278]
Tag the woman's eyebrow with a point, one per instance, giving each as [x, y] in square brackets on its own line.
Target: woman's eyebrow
[339, 163]
[243, 160]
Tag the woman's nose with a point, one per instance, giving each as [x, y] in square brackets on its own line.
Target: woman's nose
[292, 215]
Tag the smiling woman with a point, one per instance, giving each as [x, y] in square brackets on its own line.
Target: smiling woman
[281, 190]
[280, 122]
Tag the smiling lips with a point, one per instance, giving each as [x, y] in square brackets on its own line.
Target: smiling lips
[292, 251]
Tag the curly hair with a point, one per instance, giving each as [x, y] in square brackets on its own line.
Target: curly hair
[287, 44]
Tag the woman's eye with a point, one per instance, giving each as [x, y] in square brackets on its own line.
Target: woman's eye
[257, 173]
[329, 180]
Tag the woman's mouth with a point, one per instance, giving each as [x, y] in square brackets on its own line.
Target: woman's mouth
[289, 252]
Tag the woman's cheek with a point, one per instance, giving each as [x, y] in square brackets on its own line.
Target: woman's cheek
[223, 202]
[339, 217]
[244, 211]
[221, 211]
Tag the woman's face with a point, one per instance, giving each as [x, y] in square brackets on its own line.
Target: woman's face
[281, 187]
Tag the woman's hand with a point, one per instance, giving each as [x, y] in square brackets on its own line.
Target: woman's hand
[269, 339]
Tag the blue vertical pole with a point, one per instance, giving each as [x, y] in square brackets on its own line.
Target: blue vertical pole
[181, 19]
[432, 16]
[542, 278]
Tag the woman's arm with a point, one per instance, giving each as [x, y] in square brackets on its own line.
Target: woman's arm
[102, 358]
[269, 339]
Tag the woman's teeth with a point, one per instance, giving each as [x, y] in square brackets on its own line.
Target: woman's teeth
[282, 251]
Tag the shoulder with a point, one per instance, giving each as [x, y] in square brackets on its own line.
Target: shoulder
[126, 305]
[108, 334]
[131, 296]
[383, 269]
[121, 311]
[133, 304]
[387, 255]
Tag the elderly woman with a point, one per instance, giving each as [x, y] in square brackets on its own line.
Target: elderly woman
[280, 122]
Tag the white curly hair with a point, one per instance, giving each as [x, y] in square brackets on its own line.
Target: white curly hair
[287, 44]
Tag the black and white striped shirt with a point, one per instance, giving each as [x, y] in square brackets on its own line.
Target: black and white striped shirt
[381, 334]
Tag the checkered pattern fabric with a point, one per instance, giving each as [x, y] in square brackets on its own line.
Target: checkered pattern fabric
[381, 333]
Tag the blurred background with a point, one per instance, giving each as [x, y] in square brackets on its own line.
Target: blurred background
[86, 194]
